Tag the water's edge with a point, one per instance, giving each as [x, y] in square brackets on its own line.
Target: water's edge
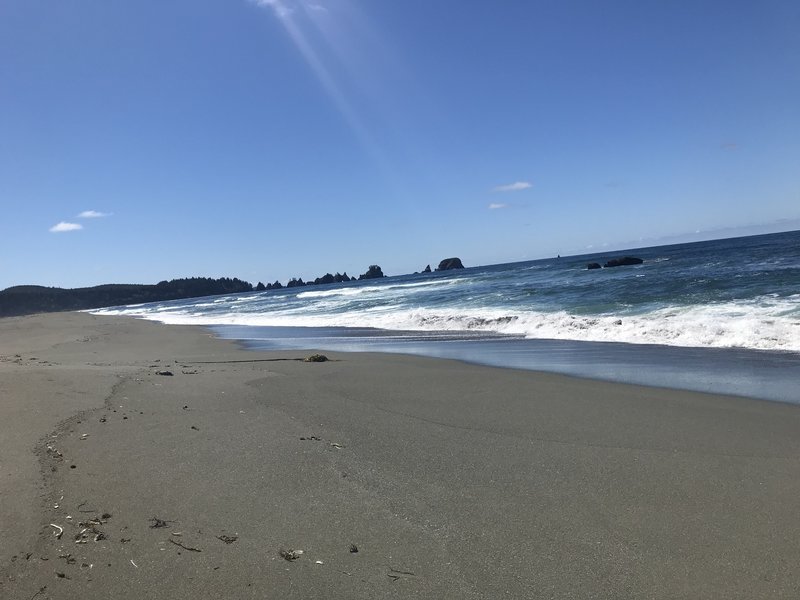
[754, 374]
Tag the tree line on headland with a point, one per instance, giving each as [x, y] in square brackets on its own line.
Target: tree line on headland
[30, 299]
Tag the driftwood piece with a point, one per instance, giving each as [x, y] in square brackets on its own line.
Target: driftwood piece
[189, 548]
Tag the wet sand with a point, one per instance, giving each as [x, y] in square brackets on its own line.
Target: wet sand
[451, 480]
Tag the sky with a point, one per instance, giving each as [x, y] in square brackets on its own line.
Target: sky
[268, 139]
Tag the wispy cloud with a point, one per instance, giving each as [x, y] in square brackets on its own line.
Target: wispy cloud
[64, 226]
[278, 6]
[513, 187]
[285, 8]
[729, 146]
[93, 214]
[497, 205]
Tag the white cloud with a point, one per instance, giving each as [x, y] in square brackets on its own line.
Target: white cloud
[64, 226]
[496, 205]
[513, 187]
[92, 214]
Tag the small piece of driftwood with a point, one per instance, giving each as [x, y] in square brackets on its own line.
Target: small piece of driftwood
[185, 547]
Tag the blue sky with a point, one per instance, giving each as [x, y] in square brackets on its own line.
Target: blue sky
[270, 139]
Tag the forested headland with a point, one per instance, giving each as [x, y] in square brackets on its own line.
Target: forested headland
[29, 299]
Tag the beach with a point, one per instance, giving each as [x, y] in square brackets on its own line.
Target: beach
[141, 460]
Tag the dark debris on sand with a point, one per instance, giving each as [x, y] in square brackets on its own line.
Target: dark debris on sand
[316, 358]
[157, 523]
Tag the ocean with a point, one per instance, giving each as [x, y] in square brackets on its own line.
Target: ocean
[718, 316]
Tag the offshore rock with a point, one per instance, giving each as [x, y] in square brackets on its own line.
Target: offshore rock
[328, 278]
[427, 269]
[624, 261]
[591, 266]
[450, 263]
[374, 272]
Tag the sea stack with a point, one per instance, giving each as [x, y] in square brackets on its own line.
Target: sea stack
[625, 260]
[374, 272]
[450, 263]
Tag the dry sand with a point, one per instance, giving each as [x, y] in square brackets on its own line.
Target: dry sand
[452, 480]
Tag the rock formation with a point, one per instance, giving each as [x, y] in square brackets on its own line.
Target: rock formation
[625, 260]
[450, 263]
[374, 272]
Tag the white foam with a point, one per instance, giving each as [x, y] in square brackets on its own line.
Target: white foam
[369, 289]
[337, 292]
[766, 323]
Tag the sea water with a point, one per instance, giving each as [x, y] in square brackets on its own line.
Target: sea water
[719, 316]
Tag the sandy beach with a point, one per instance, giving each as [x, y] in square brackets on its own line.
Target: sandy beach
[259, 475]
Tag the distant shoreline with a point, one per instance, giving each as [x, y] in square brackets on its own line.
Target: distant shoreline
[32, 299]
